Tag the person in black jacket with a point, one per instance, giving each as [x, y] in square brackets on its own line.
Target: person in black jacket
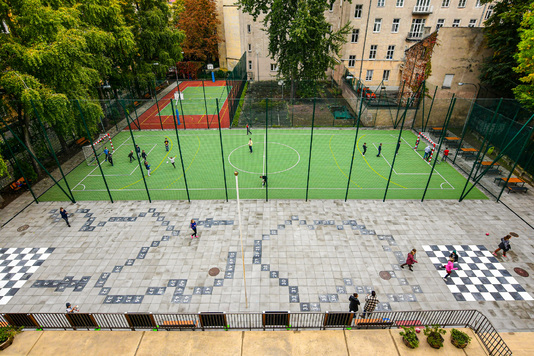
[354, 303]
[454, 256]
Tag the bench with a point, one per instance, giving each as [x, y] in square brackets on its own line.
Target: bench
[136, 103]
[515, 188]
[494, 170]
[168, 324]
[147, 96]
[378, 324]
[82, 141]
[470, 155]
[19, 183]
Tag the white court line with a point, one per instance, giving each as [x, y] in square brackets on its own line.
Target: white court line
[97, 165]
[121, 175]
[204, 189]
[264, 149]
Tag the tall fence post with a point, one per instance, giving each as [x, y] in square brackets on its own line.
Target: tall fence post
[400, 104]
[138, 158]
[157, 104]
[180, 150]
[266, 129]
[222, 149]
[352, 160]
[94, 151]
[443, 133]
[37, 160]
[19, 167]
[52, 150]
[431, 106]
[206, 105]
[311, 145]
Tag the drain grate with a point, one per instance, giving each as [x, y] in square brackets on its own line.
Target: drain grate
[214, 271]
[385, 275]
[23, 228]
[521, 272]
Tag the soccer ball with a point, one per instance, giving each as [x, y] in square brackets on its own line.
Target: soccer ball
[167, 162]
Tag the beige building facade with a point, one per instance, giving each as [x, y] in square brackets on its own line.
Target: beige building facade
[382, 31]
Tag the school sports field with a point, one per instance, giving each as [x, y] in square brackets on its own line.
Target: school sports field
[284, 155]
[197, 110]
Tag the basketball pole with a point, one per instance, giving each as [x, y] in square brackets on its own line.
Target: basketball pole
[241, 236]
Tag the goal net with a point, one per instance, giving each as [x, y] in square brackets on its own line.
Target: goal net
[426, 146]
[103, 142]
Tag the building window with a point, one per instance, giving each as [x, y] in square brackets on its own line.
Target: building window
[274, 67]
[400, 3]
[461, 3]
[385, 75]
[249, 47]
[445, 3]
[418, 26]
[390, 52]
[249, 65]
[473, 23]
[381, 3]
[489, 11]
[456, 23]
[332, 5]
[372, 52]
[352, 61]
[395, 26]
[478, 4]
[355, 35]
[377, 26]
[358, 11]
[369, 74]
[249, 28]
[440, 24]
[447, 81]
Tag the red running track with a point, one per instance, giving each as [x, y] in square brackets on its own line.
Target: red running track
[150, 120]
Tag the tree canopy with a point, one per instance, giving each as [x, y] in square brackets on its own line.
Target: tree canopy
[300, 38]
[525, 59]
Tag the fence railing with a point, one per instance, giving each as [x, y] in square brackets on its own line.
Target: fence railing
[267, 320]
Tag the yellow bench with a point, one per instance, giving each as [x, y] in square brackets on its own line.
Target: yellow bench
[180, 323]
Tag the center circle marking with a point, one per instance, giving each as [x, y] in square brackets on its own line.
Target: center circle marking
[277, 143]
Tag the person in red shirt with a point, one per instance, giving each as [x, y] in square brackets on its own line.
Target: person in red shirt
[410, 260]
[445, 154]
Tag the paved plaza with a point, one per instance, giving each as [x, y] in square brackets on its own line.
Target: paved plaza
[138, 256]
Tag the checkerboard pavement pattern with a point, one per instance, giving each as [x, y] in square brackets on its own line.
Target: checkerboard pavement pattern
[480, 276]
[17, 266]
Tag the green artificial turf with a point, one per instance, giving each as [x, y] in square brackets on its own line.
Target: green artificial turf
[284, 157]
[194, 104]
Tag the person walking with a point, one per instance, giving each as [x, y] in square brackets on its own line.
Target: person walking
[445, 154]
[454, 256]
[398, 148]
[106, 153]
[379, 150]
[172, 161]
[248, 130]
[263, 180]
[428, 149]
[143, 155]
[504, 246]
[250, 144]
[364, 148]
[410, 260]
[110, 158]
[166, 144]
[449, 268]
[193, 227]
[64, 215]
[354, 303]
[137, 149]
[371, 301]
[130, 156]
[147, 166]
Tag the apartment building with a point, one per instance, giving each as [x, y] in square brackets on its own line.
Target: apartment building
[382, 31]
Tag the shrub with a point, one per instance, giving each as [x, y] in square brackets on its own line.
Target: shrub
[410, 336]
[459, 338]
[8, 332]
[434, 337]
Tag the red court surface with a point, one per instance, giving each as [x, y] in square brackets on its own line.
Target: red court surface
[150, 120]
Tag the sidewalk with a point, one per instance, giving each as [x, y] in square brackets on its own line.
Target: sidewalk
[330, 342]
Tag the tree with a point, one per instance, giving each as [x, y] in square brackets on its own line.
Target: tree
[157, 42]
[524, 93]
[55, 52]
[198, 20]
[300, 38]
[502, 35]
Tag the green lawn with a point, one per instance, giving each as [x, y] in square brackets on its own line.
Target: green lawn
[284, 157]
[194, 104]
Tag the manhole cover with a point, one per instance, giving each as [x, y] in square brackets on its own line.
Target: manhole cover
[23, 228]
[385, 275]
[513, 234]
[521, 272]
[214, 271]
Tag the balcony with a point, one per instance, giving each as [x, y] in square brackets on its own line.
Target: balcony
[422, 9]
[414, 36]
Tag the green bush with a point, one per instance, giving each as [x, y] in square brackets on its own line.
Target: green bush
[410, 336]
[433, 335]
[459, 337]
[7, 332]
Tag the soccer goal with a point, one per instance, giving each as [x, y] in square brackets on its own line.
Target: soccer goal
[104, 140]
[427, 142]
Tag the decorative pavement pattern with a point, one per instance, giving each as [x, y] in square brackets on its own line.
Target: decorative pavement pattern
[480, 276]
[18, 265]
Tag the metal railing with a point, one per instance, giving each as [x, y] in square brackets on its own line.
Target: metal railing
[422, 9]
[473, 319]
